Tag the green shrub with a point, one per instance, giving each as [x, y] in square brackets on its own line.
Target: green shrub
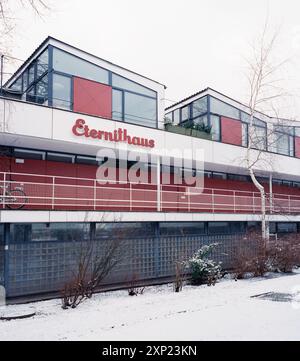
[204, 270]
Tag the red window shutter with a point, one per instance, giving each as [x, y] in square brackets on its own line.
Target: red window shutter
[92, 98]
[297, 147]
[231, 131]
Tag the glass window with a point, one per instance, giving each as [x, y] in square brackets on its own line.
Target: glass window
[201, 120]
[70, 64]
[122, 83]
[59, 157]
[218, 227]
[237, 177]
[218, 175]
[117, 104]
[272, 227]
[199, 107]
[31, 72]
[29, 154]
[247, 119]
[17, 85]
[20, 233]
[169, 117]
[176, 116]
[140, 110]
[60, 232]
[237, 227]
[297, 131]
[185, 113]
[215, 127]
[25, 81]
[287, 183]
[282, 144]
[284, 129]
[30, 95]
[182, 229]
[81, 159]
[119, 230]
[287, 227]
[259, 138]
[42, 64]
[221, 108]
[42, 90]
[61, 91]
[284, 140]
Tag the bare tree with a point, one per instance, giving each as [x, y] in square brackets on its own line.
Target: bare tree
[38, 6]
[264, 91]
[8, 21]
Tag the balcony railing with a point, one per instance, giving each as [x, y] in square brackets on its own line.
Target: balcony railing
[44, 192]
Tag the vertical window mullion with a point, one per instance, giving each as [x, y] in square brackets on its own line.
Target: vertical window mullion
[208, 111]
[50, 76]
[123, 105]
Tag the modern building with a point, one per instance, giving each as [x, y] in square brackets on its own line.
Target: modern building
[62, 106]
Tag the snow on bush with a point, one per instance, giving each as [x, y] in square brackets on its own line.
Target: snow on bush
[204, 270]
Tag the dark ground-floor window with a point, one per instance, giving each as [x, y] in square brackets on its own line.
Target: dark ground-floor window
[124, 230]
[286, 227]
[67, 232]
[182, 228]
[46, 232]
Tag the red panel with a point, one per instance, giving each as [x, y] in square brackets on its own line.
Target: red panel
[231, 131]
[92, 98]
[4, 164]
[297, 147]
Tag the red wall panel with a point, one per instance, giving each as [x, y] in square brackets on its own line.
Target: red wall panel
[4, 164]
[231, 131]
[92, 98]
[297, 147]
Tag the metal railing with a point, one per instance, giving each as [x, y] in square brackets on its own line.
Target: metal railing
[45, 192]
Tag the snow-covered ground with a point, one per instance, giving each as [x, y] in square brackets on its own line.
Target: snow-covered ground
[223, 312]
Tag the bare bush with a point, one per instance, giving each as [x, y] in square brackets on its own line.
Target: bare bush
[180, 276]
[93, 264]
[251, 256]
[286, 252]
[254, 257]
[134, 289]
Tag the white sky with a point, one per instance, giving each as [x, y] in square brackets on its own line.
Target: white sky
[186, 45]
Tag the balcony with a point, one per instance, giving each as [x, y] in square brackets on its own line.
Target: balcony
[55, 193]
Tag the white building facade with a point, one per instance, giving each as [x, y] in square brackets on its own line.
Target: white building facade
[65, 113]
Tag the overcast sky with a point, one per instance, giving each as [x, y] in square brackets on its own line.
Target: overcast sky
[186, 45]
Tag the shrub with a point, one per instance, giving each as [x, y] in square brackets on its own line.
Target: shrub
[90, 269]
[287, 253]
[179, 276]
[255, 257]
[251, 257]
[204, 270]
[133, 287]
